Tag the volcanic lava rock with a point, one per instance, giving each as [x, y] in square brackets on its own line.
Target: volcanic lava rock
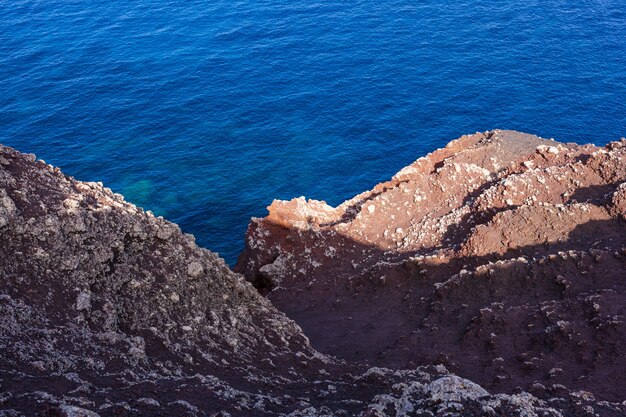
[501, 256]
[107, 310]
[107, 307]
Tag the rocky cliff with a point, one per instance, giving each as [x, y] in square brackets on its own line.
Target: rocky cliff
[501, 256]
[107, 310]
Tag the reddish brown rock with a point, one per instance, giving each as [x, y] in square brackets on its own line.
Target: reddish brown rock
[107, 310]
[501, 256]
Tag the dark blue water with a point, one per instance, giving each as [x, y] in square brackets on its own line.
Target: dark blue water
[204, 111]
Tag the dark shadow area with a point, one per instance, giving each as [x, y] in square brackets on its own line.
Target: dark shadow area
[597, 194]
[548, 313]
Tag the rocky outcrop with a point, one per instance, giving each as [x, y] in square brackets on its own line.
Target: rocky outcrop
[106, 307]
[501, 256]
[107, 310]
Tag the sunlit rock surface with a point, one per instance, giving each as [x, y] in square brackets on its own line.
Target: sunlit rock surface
[501, 256]
[106, 310]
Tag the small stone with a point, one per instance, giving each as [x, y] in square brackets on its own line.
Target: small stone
[195, 269]
[7, 205]
[543, 149]
[149, 401]
[71, 205]
[537, 388]
[164, 233]
[72, 411]
[83, 301]
[454, 388]
[553, 150]
[371, 208]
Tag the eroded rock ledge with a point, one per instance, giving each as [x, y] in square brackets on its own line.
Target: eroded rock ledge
[501, 256]
[106, 310]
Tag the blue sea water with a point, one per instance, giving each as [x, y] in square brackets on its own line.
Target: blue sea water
[205, 111]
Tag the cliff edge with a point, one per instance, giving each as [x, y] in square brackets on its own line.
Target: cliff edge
[107, 310]
[501, 256]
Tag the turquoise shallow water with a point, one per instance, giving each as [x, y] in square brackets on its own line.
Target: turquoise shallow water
[206, 111]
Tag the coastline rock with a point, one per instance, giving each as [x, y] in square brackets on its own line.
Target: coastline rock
[106, 310]
[501, 256]
[98, 296]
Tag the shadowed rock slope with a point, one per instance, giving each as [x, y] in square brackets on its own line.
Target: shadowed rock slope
[501, 256]
[106, 310]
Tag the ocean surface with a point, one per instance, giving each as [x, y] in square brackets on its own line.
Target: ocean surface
[205, 111]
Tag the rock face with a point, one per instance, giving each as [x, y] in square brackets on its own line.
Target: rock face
[107, 305]
[106, 310]
[501, 256]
